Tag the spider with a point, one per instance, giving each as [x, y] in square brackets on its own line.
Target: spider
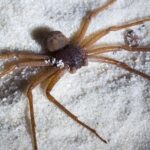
[69, 54]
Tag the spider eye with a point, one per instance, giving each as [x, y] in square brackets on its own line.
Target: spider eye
[56, 40]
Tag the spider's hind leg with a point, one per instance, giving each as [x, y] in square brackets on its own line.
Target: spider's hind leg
[22, 55]
[33, 83]
[49, 85]
[12, 66]
[21, 60]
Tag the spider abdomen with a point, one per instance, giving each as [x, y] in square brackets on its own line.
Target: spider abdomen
[72, 56]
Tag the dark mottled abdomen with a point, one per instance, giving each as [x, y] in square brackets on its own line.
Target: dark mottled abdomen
[71, 55]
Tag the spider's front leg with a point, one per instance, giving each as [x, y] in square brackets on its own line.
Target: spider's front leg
[33, 83]
[80, 33]
[48, 87]
[118, 64]
[99, 49]
[94, 37]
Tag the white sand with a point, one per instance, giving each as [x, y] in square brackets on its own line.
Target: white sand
[113, 101]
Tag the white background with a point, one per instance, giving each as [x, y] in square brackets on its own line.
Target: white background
[111, 100]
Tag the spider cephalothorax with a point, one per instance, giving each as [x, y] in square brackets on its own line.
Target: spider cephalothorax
[65, 54]
[70, 54]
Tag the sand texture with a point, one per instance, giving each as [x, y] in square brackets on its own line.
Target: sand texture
[111, 100]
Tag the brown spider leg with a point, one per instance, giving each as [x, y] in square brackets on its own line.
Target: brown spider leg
[93, 37]
[50, 83]
[33, 83]
[22, 55]
[98, 49]
[21, 65]
[118, 64]
[80, 33]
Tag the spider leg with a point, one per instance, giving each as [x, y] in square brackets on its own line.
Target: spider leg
[94, 37]
[80, 33]
[22, 55]
[98, 49]
[33, 83]
[20, 65]
[52, 81]
[118, 64]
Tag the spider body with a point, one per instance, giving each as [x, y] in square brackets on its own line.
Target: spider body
[73, 57]
[70, 54]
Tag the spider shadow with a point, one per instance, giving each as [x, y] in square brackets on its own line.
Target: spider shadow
[40, 35]
[13, 86]
[16, 83]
